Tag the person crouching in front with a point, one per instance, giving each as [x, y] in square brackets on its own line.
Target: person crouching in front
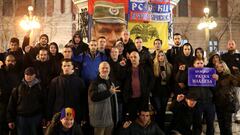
[63, 123]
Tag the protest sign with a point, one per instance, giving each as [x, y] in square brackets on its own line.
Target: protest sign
[201, 77]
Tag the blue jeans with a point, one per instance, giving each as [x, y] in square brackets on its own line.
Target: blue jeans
[29, 125]
[208, 109]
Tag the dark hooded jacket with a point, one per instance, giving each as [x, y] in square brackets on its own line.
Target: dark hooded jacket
[182, 117]
[173, 53]
[34, 50]
[9, 78]
[137, 129]
[26, 100]
[55, 61]
[232, 59]
[128, 47]
[225, 92]
[145, 56]
[185, 60]
[116, 75]
[79, 47]
[18, 56]
[146, 83]
[67, 91]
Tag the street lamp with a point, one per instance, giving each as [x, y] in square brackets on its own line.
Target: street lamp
[207, 23]
[30, 21]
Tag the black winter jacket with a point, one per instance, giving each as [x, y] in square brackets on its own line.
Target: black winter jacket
[225, 92]
[136, 129]
[182, 117]
[67, 91]
[146, 83]
[231, 59]
[26, 100]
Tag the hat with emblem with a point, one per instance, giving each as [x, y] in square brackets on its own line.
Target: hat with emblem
[108, 12]
[67, 112]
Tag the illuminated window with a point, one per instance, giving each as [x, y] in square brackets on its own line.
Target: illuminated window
[213, 44]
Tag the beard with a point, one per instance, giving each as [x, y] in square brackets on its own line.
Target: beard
[11, 67]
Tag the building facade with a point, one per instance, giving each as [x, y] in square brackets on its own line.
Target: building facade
[187, 15]
[61, 18]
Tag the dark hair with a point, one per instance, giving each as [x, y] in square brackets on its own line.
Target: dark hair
[68, 45]
[44, 35]
[196, 59]
[43, 49]
[144, 108]
[55, 44]
[187, 44]
[201, 50]
[118, 41]
[14, 40]
[102, 37]
[138, 37]
[92, 40]
[177, 34]
[67, 60]
[157, 39]
[29, 71]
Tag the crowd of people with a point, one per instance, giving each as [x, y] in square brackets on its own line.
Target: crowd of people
[123, 90]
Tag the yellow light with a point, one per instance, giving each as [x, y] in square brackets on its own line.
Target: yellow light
[28, 24]
[206, 10]
[30, 8]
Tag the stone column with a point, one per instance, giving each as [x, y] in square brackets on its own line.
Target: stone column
[68, 6]
[57, 7]
[1, 7]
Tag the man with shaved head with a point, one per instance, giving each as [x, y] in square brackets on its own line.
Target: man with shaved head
[138, 84]
[103, 107]
[232, 59]
[127, 42]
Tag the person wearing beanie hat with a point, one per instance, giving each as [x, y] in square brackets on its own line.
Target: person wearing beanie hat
[63, 123]
[26, 104]
[214, 58]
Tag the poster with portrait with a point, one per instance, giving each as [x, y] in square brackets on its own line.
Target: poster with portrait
[107, 18]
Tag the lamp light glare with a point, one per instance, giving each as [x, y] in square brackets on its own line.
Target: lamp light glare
[206, 10]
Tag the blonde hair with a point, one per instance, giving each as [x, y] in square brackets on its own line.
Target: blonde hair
[156, 64]
[226, 70]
